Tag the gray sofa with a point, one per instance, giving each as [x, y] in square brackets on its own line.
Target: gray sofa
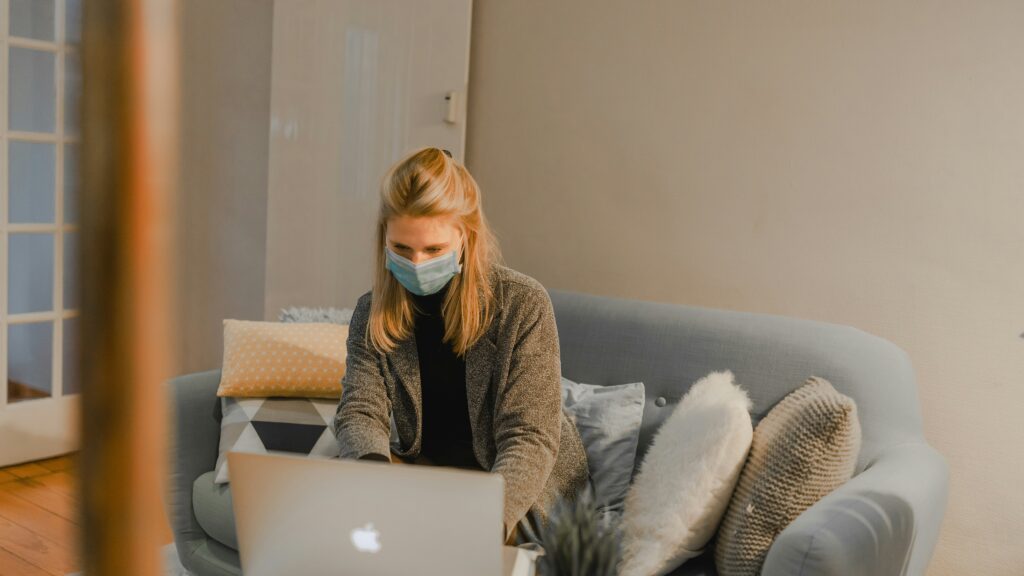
[885, 520]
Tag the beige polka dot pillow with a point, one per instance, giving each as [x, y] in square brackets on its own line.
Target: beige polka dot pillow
[297, 359]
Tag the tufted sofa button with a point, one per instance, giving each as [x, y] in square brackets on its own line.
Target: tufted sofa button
[660, 401]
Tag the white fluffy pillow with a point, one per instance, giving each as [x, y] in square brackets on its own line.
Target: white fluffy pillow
[687, 477]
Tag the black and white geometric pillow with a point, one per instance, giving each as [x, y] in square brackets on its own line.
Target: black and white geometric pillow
[298, 425]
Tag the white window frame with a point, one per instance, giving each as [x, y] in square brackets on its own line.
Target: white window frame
[59, 228]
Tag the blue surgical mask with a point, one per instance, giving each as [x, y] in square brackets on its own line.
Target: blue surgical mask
[428, 276]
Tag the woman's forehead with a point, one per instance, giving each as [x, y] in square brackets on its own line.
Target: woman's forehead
[421, 229]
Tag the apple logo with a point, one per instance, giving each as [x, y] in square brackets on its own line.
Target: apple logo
[366, 539]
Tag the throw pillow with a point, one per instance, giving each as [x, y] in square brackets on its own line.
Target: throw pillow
[306, 314]
[608, 419]
[687, 477]
[805, 447]
[283, 359]
[297, 425]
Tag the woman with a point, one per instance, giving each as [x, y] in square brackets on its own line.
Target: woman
[453, 358]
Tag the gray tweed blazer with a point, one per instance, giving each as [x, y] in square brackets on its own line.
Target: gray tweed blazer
[513, 382]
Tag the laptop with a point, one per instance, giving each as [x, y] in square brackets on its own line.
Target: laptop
[314, 516]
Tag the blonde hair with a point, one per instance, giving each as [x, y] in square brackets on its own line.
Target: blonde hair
[427, 182]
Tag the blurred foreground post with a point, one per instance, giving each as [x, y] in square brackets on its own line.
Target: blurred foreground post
[129, 146]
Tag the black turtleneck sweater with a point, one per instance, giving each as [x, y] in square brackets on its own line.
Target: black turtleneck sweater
[447, 436]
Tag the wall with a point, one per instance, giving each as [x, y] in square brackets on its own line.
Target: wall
[226, 51]
[855, 162]
[356, 85]
[285, 136]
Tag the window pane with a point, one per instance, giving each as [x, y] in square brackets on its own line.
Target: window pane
[29, 361]
[72, 382]
[31, 92]
[72, 91]
[71, 271]
[32, 19]
[73, 21]
[71, 183]
[30, 273]
[31, 178]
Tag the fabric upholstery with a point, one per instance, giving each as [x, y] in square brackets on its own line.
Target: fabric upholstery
[668, 346]
[872, 524]
[214, 509]
[195, 427]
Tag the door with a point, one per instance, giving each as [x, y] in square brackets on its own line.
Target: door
[39, 89]
[355, 85]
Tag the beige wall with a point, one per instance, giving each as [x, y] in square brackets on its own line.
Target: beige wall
[223, 211]
[356, 84]
[856, 162]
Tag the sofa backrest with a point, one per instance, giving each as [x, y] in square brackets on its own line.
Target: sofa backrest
[606, 340]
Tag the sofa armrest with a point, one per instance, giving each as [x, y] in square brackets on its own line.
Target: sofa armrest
[884, 520]
[194, 440]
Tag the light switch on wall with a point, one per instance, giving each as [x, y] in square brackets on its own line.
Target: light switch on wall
[451, 113]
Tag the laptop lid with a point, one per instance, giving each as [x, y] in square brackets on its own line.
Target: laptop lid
[314, 516]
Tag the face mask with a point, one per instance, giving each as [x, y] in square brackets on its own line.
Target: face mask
[428, 276]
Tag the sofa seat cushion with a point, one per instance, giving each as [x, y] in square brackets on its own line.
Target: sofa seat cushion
[211, 503]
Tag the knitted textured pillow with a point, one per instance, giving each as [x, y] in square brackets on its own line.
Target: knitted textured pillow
[803, 449]
[686, 478]
[261, 359]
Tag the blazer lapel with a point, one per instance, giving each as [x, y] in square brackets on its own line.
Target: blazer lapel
[480, 360]
[407, 411]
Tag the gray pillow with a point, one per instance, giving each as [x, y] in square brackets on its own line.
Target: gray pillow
[308, 314]
[608, 419]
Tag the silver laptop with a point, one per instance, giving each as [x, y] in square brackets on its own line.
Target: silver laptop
[312, 516]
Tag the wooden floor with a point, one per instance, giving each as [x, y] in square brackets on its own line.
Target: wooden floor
[38, 522]
[39, 518]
